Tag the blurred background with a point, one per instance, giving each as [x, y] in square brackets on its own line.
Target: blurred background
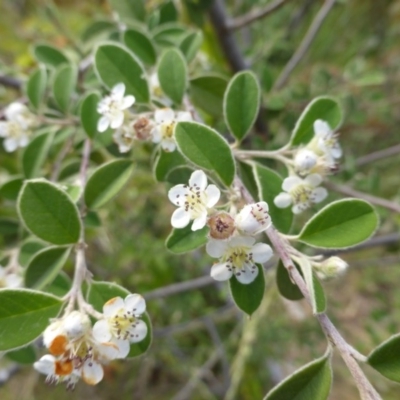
[203, 347]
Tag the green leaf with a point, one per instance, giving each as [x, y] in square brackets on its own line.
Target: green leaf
[248, 297]
[49, 213]
[49, 55]
[169, 34]
[191, 45]
[106, 182]
[115, 64]
[128, 9]
[206, 148]
[24, 315]
[60, 285]
[207, 93]
[64, 86]
[35, 154]
[25, 355]
[319, 294]
[172, 74]
[325, 108]
[45, 266]
[11, 188]
[178, 175]
[8, 226]
[241, 103]
[101, 292]
[164, 163]
[28, 249]
[36, 86]
[141, 45]
[341, 224]
[385, 358]
[286, 287]
[97, 29]
[89, 114]
[311, 382]
[269, 185]
[185, 240]
[247, 175]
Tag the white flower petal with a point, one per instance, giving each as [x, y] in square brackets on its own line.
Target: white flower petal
[103, 124]
[177, 195]
[213, 195]
[135, 303]
[118, 91]
[118, 119]
[127, 102]
[156, 135]
[10, 145]
[138, 332]
[112, 306]
[319, 194]
[336, 151]
[101, 331]
[168, 144]
[198, 179]
[220, 272]
[199, 222]
[299, 208]
[109, 350]
[92, 372]
[184, 116]
[246, 241]
[283, 200]
[247, 275]
[261, 252]
[180, 218]
[313, 179]
[290, 182]
[46, 365]
[123, 348]
[216, 248]
[321, 128]
[164, 114]
[13, 281]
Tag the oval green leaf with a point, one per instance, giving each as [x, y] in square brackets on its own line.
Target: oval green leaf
[191, 45]
[11, 188]
[248, 297]
[172, 74]
[101, 292]
[24, 315]
[166, 162]
[25, 355]
[341, 224]
[45, 266]
[106, 182]
[311, 382]
[241, 103]
[89, 114]
[64, 86]
[207, 93]
[185, 240]
[49, 55]
[36, 86]
[129, 10]
[326, 108]
[286, 287]
[269, 185]
[385, 358]
[28, 249]
[141, 45]
[115, 64]
[206, 148]
[35, 154]
[48, 212]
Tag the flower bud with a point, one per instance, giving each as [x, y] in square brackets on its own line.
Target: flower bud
[76, 325]
[305, 160]
[332, 268]
[222, 225]
[142, 128]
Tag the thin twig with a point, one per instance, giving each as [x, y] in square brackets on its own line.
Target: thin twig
[255, 15]
[10, 82]
[378, 155]
[390, 205]
[305, 44]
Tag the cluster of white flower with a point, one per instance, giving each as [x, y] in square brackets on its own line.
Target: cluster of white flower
[9, 278]
[17, 129]
[78, 350]
[128, 128]
[231, 237]
[311, 164]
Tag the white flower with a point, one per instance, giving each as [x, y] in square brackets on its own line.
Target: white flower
[253, 218]
[238, 256]
[193, 201]
[124, 138]
[9, 280]
[166, 120]
[302, 193]
[327, 140]
[122, 321]
[305, 160]
[112, 108]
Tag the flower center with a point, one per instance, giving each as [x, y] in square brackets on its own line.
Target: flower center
[301, 194]
[167, 129]
[239, 257]
[195, 201]
[120, 324]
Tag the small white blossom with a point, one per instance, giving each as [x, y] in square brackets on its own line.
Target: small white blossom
[193, 201]
[301, 193]
[166, 120]
[331, 268]
[326, 140]
[237, 256]
[253, 218]
[112, 108]
[122, 321]
[9, 279]
[124, 138]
